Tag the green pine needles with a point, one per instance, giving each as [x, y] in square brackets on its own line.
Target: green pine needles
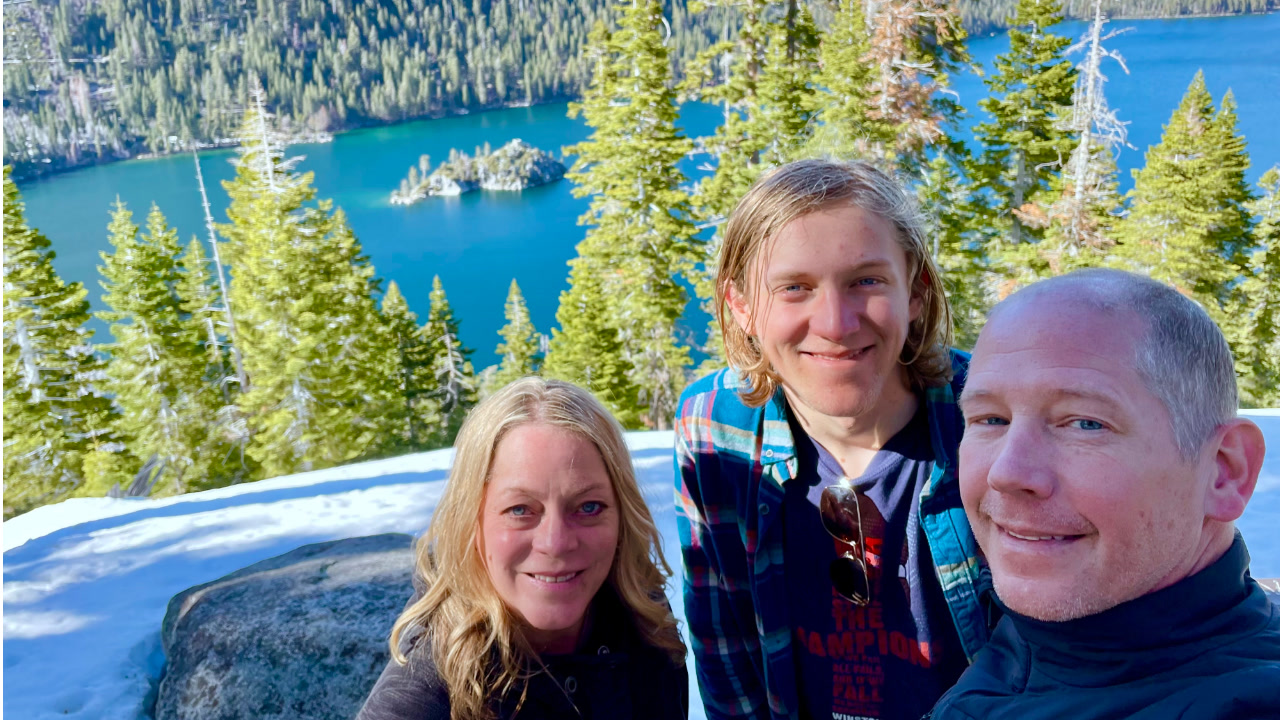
[269, 347]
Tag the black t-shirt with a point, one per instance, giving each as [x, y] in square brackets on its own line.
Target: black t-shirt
[895, 657]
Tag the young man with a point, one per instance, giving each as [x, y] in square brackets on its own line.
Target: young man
[1103, 467]
[829, 569]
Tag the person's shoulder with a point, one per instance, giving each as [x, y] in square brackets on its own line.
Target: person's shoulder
[716, 396]
[1248, 693]
[413, 691]
[713, 384]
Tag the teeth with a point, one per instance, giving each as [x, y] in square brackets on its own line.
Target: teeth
[555, 578]
[1036, 538]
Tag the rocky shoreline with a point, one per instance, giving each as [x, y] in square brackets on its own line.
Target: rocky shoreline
[512, 167]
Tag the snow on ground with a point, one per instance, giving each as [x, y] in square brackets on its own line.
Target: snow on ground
[86, 582]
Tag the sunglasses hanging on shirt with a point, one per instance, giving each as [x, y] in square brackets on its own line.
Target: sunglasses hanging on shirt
[842, 518]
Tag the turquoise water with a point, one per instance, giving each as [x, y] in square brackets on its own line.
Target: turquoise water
[1238, 53]
[478, 242]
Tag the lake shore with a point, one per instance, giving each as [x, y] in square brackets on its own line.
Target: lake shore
[44, 171]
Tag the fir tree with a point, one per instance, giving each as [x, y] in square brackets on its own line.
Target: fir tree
[319, 360]
[415, 362]
[1259, 363]
[1025, 139]
[50, 402]
[455, 383]
[155, 373]
[585, 349]
[520, 347]
[1187, 224]
[639, 216]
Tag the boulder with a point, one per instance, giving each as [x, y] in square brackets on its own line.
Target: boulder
[301, 635]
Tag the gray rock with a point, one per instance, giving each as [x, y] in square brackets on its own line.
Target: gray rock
[301, 635]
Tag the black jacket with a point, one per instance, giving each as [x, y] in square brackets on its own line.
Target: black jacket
[616, 676]
[1205, 648]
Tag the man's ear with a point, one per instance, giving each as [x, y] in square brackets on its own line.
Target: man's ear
[1238, 462]
[740, 307]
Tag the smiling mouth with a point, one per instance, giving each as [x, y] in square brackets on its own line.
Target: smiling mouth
[837, 356]
[1037, 537]
[554, 579]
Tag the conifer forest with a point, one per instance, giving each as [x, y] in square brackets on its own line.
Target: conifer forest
[270, 345]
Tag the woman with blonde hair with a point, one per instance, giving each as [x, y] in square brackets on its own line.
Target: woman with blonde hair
[540, 577]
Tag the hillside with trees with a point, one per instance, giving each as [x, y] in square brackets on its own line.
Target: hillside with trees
[87, 81]
[984, 16]
[91, 81]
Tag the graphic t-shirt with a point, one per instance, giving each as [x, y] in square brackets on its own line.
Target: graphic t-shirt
[895, 657]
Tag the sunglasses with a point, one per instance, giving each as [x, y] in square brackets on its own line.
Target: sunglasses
[842, 518]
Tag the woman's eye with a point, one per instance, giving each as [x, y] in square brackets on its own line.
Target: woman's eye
[592, 508]
[519, 511]
[1084, 424]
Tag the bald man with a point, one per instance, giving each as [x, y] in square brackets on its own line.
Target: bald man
[1102, 469]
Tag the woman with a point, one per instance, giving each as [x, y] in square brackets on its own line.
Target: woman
[541, 577]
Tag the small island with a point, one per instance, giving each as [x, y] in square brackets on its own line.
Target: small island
[514, 166]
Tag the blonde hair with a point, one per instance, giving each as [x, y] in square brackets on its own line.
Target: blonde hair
[808, 186]
[476, 641]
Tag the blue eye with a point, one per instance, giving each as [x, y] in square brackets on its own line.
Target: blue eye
[1084, 424]
[870, 281]
[592, 508]
[519, 511]
[993, 421]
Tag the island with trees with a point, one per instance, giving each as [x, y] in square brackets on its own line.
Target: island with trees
[514, 166]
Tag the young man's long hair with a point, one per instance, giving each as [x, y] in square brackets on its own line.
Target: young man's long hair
[476, 642]
[808, 186]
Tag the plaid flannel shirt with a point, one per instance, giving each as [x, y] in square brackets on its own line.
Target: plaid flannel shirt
[731, 462]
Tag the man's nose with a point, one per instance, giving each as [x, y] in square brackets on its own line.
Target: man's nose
[837, 314]
[555, 534]
[1022, 465]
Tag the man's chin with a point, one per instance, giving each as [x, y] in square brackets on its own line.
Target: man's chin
[1049, 601]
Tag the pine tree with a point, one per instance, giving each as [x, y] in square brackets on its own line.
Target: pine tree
[915, 46]
[221, 456]
[1025, 140]
[845, 130]
[520, 347]
[788, 99]
[946, 201]
[154, 372]
[416, 382]
[1259, 363]
[1187, 224]
[1082, 218]
[320, 362]
[585, 349]
[455, 383]
[726, 74]
[50, 402]
[640, 221]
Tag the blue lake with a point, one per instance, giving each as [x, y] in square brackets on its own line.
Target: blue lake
[478, 242]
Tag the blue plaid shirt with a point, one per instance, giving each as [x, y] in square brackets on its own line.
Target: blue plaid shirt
[731, 463]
